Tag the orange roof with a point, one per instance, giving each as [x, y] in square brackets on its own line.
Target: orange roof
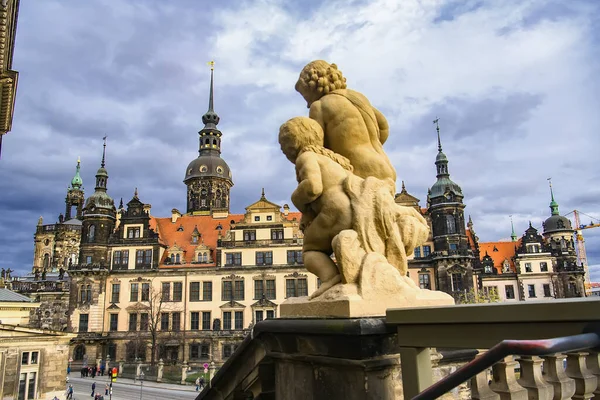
[179, 233]
[499, 251]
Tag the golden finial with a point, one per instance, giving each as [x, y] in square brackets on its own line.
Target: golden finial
[78, 160]
[212, 65]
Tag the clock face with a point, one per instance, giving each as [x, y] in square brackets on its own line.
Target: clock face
[203, 192]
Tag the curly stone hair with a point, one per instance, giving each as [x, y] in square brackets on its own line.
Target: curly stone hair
[321, 77]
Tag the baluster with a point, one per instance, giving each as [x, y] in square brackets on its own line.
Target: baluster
[554, 372]
[532, 379]
[480, 387]
[593, 364]
[585, 381]
[504, 381]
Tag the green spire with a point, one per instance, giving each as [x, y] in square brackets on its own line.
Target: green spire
[553, 203]
[513, 235]
[77, 182]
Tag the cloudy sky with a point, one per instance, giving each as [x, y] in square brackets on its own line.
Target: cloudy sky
[514, 82]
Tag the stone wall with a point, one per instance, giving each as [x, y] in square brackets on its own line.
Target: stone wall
[53, 312]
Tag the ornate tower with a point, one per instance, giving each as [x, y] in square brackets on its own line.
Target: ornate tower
[558, 232]
[208, 177]
[75, 196]
[99, 216]
[453, 256]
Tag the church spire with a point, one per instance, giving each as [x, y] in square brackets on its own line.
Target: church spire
[77, 182]
[513, 235]
[103, 152]
[210, 118]
[102, 174]
[441, 161]
[553, 203]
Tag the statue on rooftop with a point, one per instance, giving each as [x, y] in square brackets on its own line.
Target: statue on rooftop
[346, 187]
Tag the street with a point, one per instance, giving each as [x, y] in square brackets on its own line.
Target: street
[127, 390]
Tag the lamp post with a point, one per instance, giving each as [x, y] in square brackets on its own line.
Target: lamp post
[141, 377]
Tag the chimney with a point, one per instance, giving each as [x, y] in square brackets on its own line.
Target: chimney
[175, 214]
[286, 210]
[147, 208]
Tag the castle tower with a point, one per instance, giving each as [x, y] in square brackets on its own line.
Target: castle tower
[453, 256]
[99, 216]
[558, 232]
[208, 177]
[75, 196]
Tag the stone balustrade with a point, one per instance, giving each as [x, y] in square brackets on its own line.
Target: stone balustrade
[561, 375]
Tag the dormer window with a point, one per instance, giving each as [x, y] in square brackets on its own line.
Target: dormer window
[257, 218]
[219, 227]
[133, 233]
[180, 229]
[194, 239]
[269, 218]
[488, 269]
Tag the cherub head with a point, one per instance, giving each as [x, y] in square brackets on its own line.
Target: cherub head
[298, 133]
[317, 79]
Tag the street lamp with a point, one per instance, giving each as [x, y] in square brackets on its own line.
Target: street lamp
[141, 377]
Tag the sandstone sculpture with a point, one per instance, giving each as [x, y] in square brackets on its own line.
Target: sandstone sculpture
[346, 186]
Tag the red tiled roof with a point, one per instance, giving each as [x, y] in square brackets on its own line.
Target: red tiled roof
[170, 233]
[499, 251]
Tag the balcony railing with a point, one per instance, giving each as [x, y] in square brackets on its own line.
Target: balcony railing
[43, 286]
[260, 243]
[548, 356]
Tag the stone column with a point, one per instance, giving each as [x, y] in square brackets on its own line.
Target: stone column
[211, 370]
[184, 370]
[159, 374]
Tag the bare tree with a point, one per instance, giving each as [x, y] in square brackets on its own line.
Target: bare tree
[158, 302]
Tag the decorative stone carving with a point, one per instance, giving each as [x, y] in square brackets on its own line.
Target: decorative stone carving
[346, 187]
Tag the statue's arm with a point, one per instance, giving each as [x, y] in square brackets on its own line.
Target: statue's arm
[316, 113]
[310, 184]
[384, 128]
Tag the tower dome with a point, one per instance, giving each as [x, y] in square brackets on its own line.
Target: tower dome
[556, 222]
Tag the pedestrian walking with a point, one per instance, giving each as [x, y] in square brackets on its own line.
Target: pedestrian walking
[197, 384]
[93, 388]
[70, 392]
[106, 390]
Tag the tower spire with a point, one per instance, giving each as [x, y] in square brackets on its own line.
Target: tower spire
[77, 182]
[553, 203]
[436, 121]
[513, 235]
[210, 98]
[103, 152]
[210, 118]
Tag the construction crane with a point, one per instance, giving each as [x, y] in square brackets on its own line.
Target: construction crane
[580, 242]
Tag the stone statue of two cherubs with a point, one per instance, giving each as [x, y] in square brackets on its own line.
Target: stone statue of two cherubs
[346, 187]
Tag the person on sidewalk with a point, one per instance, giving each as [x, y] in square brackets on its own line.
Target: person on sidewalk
[70, 392]
[93, 388]
[197, 384]
[106, 390]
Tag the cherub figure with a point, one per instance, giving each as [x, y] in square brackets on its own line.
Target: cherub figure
[320, 196]
[352, 127]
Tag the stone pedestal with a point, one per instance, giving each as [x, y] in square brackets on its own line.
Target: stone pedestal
[312, 359]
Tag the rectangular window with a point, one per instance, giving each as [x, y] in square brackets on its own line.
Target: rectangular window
[134, 293]
[528, 267]
[302, 287]
[270, 314]
[144, 322]
[426, 251]
[268, 258]
[83, 322]
[177, 291]
[227, 348]
[547, 292]
[114, 322]
[25, 358]
[88, 259]
[233, 258]
[509, 291]
[290, 288]
[453, 246]
[257, 218]
[417, 252]
[204, 351]
[176, 321]
[544, 266]
[531, 289]
[269, 218]
[249, 235]
[116, 290]
[239, 320]
[276, 234]
[207, 291]
[166, 291]
[227, 320]
[258, 289]
[164, 321]
[424, 281]
[194, 351]
[238, 290]
[23, 384]
[457, 282]
[227, 291]
[34, 357]
[139, 258]
[31, 386]
[260, 258]
[117, 258]
[271, 292]
[294, 257]
[195, 320]
[259, 316]
[133, 322]
[145, 291]
[148, 258]
[206, 320]
[194, 291]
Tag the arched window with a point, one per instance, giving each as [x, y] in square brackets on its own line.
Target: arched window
[46, 263]
[92, 233]
[177, 258]
[79, 352]
[450, 224]
[199, 257]
[214, 142]
[205, 257]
